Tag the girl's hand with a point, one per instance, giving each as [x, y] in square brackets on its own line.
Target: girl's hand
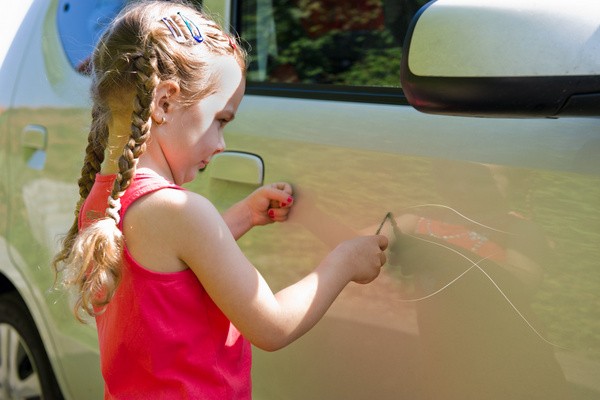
[270, 203]
[267, 204]
[361, 258]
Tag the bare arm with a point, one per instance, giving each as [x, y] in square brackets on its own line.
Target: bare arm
[203, 240]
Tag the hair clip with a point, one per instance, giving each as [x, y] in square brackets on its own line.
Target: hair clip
[231, 42]
[192, 27]
[175, 31]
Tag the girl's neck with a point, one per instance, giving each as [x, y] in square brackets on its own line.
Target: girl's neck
[152, 159]
[148, 163]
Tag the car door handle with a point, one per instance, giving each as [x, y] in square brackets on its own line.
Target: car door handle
[34, 141]
[238, 167]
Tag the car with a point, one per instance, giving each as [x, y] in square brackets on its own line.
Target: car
[489, 196]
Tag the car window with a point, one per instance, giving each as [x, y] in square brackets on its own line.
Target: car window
[80, 24]
[326, 42]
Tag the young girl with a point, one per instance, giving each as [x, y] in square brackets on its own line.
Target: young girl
[176, 302]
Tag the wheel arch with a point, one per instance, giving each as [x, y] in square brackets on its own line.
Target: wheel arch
[8, 284]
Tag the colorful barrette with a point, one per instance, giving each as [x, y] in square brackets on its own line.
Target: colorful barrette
[175, 31]
[231, 42]
[192, 27]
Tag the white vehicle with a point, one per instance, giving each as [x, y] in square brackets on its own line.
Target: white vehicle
[492, 288]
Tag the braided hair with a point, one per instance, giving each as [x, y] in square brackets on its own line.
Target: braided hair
[148, 42]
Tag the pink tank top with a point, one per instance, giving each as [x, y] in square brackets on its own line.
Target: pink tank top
[162, 336]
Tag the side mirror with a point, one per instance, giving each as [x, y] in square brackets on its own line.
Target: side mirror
[504, 58]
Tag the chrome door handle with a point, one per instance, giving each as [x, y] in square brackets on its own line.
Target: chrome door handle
[238, 167]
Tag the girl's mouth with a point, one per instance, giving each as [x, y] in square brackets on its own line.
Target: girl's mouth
[203, 165]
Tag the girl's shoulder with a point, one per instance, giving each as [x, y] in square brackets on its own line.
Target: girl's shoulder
[153, 193]
[161, 224]
[172, 204]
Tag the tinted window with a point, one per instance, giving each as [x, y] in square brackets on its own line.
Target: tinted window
[80, 24]
[334, 42]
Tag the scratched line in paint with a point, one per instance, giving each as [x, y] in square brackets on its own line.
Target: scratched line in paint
[474, 265]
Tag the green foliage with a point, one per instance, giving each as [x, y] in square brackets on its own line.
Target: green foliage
[380, 67]
[323, 42]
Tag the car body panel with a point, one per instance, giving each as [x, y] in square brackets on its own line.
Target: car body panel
[41, 201]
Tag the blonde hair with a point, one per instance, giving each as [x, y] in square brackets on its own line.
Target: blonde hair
[136, 53]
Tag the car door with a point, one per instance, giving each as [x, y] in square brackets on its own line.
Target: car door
[493, 223]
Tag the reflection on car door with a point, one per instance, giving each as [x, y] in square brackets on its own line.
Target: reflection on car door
[47, 126]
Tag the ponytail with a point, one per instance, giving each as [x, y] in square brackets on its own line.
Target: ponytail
[91, 258]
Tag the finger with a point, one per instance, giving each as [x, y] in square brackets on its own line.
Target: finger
[284, 186]
[278, 214]
[382, 258]
[382, 241]
[278, 197]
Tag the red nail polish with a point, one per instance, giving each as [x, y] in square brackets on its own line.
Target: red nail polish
[283, 204]
[271, 213]
[290, 199]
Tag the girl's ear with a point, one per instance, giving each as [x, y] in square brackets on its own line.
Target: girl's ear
[166, 92]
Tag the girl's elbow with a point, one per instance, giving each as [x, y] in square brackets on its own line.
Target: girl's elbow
[271, 342]
[269, 347]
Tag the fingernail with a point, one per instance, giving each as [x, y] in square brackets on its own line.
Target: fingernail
[271, 214]
[289, 201]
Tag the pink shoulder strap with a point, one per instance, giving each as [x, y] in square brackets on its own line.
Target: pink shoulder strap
[142, 185]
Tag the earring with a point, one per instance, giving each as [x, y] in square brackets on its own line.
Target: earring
[162, 121]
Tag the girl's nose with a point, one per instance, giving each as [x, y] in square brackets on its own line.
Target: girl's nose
[220, 145]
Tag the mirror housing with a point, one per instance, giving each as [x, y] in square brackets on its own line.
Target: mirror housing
[504, 58]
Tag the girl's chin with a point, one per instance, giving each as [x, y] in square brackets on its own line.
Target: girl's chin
[190, 176]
